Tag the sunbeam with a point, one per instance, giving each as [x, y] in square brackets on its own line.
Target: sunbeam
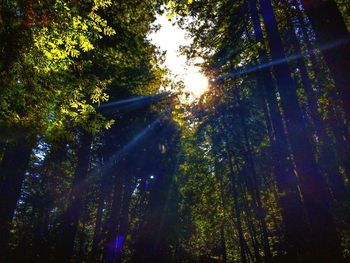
[133, 103]
[253, 68]
[195, 83]
[131, 144]
[96, 173]
[175, 131]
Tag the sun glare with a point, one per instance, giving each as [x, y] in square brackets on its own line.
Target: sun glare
[196, 84]
[169, 38]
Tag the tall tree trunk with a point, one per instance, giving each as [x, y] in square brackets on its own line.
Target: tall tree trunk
[223, 244]
[334, 38]
[252, 181]
[12, 170]
[244, 249]
[52, 170]
[250, 222]
[95, 253]
[72, 215]
[326, 149]
[294, 220]
[116, 234]
[106, 188]
[342, 147]
[223, 201]
[288, 197]
[326, 244]
[237, 211]
[124, 219]
[343, 156]
[112, 223]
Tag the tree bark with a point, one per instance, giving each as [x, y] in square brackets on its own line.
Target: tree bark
[223, 201]
[73, 213]
[97, 237]
[124, 220]
[242, 242]
[12, 170]
[112, 224]
[252, 180]
[325, 241]
[343, 156]
[343, 151]
[326, 150]
[52, 171]
[334, 40]
[295, 224]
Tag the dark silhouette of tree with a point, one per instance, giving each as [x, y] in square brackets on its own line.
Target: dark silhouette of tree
[99, 164]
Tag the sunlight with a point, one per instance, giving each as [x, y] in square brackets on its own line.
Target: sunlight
[169, 38]
[196, 84]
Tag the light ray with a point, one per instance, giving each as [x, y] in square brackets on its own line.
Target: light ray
[119, 103]
[96, 173]
[131, 103]
[257, 67]
[131, 144]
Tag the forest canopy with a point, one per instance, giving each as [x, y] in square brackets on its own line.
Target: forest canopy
[106, 157]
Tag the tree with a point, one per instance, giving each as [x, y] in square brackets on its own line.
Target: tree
[332, 37]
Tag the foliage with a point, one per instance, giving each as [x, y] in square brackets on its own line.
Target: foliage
[98, 164]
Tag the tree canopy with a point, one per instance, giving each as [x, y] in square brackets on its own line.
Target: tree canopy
[103, 158]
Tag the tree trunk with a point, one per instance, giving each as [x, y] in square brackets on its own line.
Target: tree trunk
[52, 171]
[296, 228]
[106, 188]
[343, 156]
[242, 242]
[326, 244]
[250, 223]
[96, 239]
[223, 201]
[244, 249]
[326, 150]
[112, 224]
[252, 179]
[342, 147]
[12, 170]
[334, 40]
[223, 244]
[124, 219]
[72, 215]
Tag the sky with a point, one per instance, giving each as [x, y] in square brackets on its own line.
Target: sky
[169, 38]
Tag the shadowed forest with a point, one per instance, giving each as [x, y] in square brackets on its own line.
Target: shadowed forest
[106, 157]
